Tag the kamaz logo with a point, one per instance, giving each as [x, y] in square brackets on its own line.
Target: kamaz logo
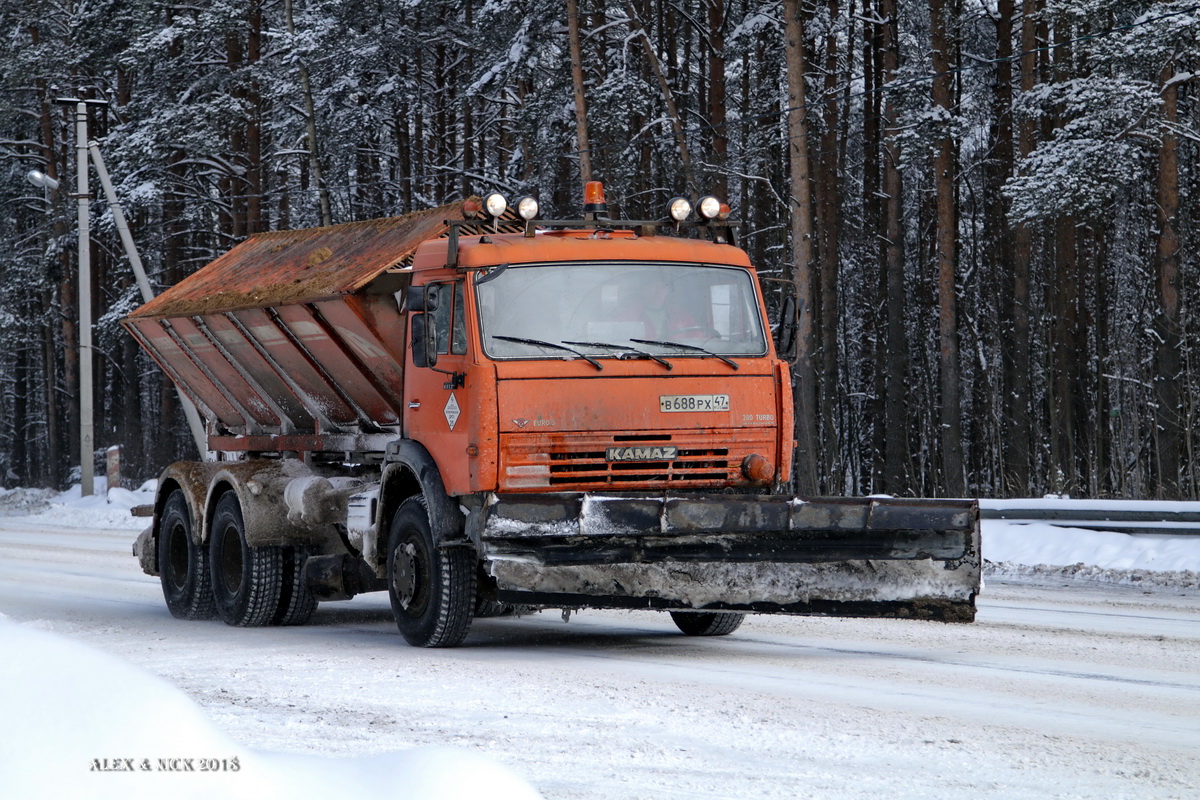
[641, 453]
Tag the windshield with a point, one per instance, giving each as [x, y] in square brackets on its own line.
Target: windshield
[619, 309]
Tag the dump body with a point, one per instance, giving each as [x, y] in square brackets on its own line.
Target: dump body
[589, 415]
[293, 340]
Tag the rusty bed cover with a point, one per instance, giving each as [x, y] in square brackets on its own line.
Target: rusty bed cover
[290, 341]
[283, 267]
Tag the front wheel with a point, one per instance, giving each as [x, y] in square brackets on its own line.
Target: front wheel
[432, 589]
[707, 623]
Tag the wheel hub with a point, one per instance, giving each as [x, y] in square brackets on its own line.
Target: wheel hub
[177, 557]
[404, 574]
[231, 561]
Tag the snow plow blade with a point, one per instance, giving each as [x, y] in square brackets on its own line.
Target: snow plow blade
[834, 556]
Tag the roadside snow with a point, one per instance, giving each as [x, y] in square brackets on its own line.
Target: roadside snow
[104, 509]
[72, 715]
[1039, 543]
[1042, 551]
[81, 723]
[68, 707]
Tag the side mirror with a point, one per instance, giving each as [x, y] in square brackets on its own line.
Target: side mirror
[424, 298]
[785, 332]
[424, 341]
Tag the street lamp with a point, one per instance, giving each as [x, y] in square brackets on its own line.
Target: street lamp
[41, 180]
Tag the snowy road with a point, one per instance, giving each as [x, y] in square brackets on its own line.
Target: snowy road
[1055, 691]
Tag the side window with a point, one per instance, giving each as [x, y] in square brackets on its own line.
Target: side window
[450, 321]
[441, 319]
[458, 341]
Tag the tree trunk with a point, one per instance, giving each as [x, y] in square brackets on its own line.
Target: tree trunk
[1069, 339]
[717, 99]
[828, 235]
[310, 125]
[800, 269]
[999, 250]
[581, 125]
[871, 233]
[58, 448]
[255, 185]
[1169, 430]
[1019, 432]
[947, 259]
[896, 457]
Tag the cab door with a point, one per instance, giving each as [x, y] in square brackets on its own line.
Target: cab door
[438, 409]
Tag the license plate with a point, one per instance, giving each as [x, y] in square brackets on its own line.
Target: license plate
[669, 403]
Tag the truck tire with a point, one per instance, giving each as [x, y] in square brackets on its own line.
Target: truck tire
[183, 564]
[707, 623]
[432, 589]
[247, 581]
[296, 601]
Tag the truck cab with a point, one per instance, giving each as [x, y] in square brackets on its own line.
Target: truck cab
[585, 360]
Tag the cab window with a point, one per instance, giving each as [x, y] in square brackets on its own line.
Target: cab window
[449, 321]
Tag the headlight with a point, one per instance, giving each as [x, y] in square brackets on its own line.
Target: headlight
[527, 208]
[679, 209]
[495, 204]
[709, 207]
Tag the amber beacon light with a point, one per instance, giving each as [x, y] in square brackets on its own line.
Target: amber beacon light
[593, 200]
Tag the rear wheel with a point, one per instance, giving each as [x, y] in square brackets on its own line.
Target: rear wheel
[247, 581]
[432, 589]
[707, 623]
[491, 608]
[183, 564]
[296, 601]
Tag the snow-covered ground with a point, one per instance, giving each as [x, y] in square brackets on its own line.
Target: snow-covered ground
[1080, 679]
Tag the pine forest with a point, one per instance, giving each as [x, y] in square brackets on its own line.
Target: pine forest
[986, 211]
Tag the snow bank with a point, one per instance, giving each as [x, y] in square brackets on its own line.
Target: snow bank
[1038, 543]
[80, 723]
[1045, 551]
[22, 502]
[107, 508]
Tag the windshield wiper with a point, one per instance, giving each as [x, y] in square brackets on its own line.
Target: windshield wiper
[661, 343]
[627, 348]
[553, 345]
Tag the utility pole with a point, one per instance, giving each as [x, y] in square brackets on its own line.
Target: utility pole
[87, 438]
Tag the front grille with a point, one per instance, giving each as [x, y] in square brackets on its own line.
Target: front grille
[577, 461]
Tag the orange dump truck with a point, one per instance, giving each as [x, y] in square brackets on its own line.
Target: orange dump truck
[476, 411]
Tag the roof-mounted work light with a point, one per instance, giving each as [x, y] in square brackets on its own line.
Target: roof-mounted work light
[495, 204]
[679, 208]
[527, 208]
[709, 207]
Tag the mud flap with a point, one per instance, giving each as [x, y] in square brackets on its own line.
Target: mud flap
[835, 556]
